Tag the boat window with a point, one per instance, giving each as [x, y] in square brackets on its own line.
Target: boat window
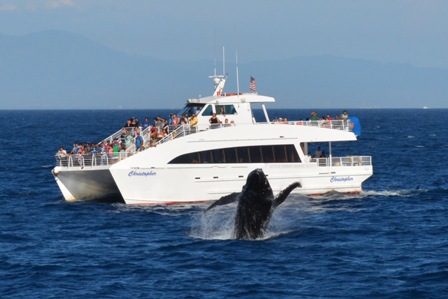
[225, 109]
[230, 154]
[251, 154]
[218, 156]
[280, 154]
[205, 157]
[190, 109]
[243, 155]
[267, 154]
[255, 154]
[208, 110]
[291, 154]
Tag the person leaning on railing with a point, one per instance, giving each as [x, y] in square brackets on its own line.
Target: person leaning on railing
[61, 153]
[214, 121]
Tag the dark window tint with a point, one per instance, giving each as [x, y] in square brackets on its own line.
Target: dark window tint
[250, 154]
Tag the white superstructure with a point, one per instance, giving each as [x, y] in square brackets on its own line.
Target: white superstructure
[207, 161]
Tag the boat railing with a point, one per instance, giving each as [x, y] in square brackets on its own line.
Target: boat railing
[336, 124]
[177, 132]
[91, 160]
[343, 161]
[131, 149]
[184, 130]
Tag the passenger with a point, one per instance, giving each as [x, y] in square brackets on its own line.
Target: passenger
[214, 121]
[162, 134]
[136, 131]
[146, 123]
[93, 148]
[87, 149]
[154, 132]
[175, 121]
[160, 123]
[116, 147]
[323, 155]
[128, 140]
[128, 123]
[226, 123]
[139, 143]
[75, 148]
[314, 116]
[108, 149]
[134, 122]
[80, 156]
[222, 112]
[183, 120]
[61, 153]
[317, 153]
[165, 126]
[193, 120]
[156, 124]
[344, 115]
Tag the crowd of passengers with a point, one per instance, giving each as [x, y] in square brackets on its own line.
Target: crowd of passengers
[161, 127]
[131, 134]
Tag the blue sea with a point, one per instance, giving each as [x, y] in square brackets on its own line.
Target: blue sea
[390, 241]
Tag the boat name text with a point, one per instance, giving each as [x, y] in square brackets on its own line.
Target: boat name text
[343, 179]
[142, 173]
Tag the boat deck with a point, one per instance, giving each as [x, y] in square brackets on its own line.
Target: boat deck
[104, 160]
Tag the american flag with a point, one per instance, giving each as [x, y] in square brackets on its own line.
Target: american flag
[252, 84]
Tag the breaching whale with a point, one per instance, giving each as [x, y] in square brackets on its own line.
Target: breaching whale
[256, 203]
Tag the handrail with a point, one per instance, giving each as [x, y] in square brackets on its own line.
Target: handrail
[101, 159]
[343, 161]
[91, 160]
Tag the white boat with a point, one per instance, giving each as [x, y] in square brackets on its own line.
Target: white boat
[207, 161]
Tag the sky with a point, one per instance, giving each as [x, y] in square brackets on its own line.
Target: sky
[400, 31]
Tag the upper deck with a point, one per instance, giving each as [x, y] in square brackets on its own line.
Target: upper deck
[107, 157]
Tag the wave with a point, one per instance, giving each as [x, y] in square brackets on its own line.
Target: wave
[47, 166]
[369, 194]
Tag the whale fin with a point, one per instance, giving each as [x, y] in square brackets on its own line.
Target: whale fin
[283, 194]
[232, 197]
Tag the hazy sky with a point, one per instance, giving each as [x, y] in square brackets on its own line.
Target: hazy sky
[405, 31]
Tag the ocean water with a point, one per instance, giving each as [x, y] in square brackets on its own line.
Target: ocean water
[390, 241]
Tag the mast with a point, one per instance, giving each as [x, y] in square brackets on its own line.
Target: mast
[237, 76]
[219, 80]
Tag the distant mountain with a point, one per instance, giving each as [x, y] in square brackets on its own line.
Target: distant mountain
[61, 70]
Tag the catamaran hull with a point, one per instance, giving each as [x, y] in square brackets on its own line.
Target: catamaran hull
[209, 183]
[87, 184]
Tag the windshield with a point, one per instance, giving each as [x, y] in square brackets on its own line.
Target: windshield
[189, 109]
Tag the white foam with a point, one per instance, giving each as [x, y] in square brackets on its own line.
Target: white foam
[215, 224]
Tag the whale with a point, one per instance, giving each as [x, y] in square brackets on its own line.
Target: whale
[256, 203]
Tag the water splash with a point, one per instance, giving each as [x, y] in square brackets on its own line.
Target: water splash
[216, 224]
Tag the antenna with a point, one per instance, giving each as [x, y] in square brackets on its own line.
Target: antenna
[237, 75]
[219, 80]
[223, 61]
